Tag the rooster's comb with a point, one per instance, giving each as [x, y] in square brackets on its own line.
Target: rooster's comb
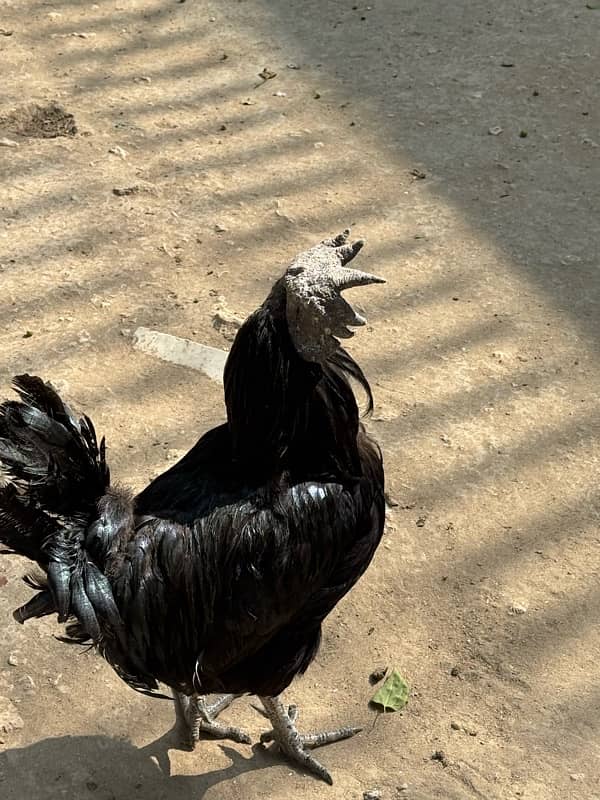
[316, 310]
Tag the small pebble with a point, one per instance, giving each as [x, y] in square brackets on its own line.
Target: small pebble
[123, 191]
[517, 608]
[13, 660]
[403, 787]
[377, 675]
[457, 726]
[372, 794]
[440, 755]
[118, 151]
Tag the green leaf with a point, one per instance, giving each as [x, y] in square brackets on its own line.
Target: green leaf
[393, 694]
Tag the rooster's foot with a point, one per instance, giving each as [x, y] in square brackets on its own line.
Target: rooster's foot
[195, 716]
[296, 745]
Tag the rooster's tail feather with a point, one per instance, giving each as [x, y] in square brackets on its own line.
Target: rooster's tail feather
[57, 474]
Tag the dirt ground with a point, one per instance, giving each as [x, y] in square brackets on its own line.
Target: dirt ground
[461, 140]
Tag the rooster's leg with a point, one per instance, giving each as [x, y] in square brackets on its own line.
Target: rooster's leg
[194, 716]
[296, 745]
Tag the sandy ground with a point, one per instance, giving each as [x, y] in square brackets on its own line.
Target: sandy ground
[482, 350]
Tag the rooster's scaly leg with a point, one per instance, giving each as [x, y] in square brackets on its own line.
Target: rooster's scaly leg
[296, 745]
[194, 716]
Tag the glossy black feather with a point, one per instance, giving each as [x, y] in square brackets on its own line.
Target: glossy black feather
[220, 573]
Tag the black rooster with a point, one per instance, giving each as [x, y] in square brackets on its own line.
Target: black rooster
[218, 576]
